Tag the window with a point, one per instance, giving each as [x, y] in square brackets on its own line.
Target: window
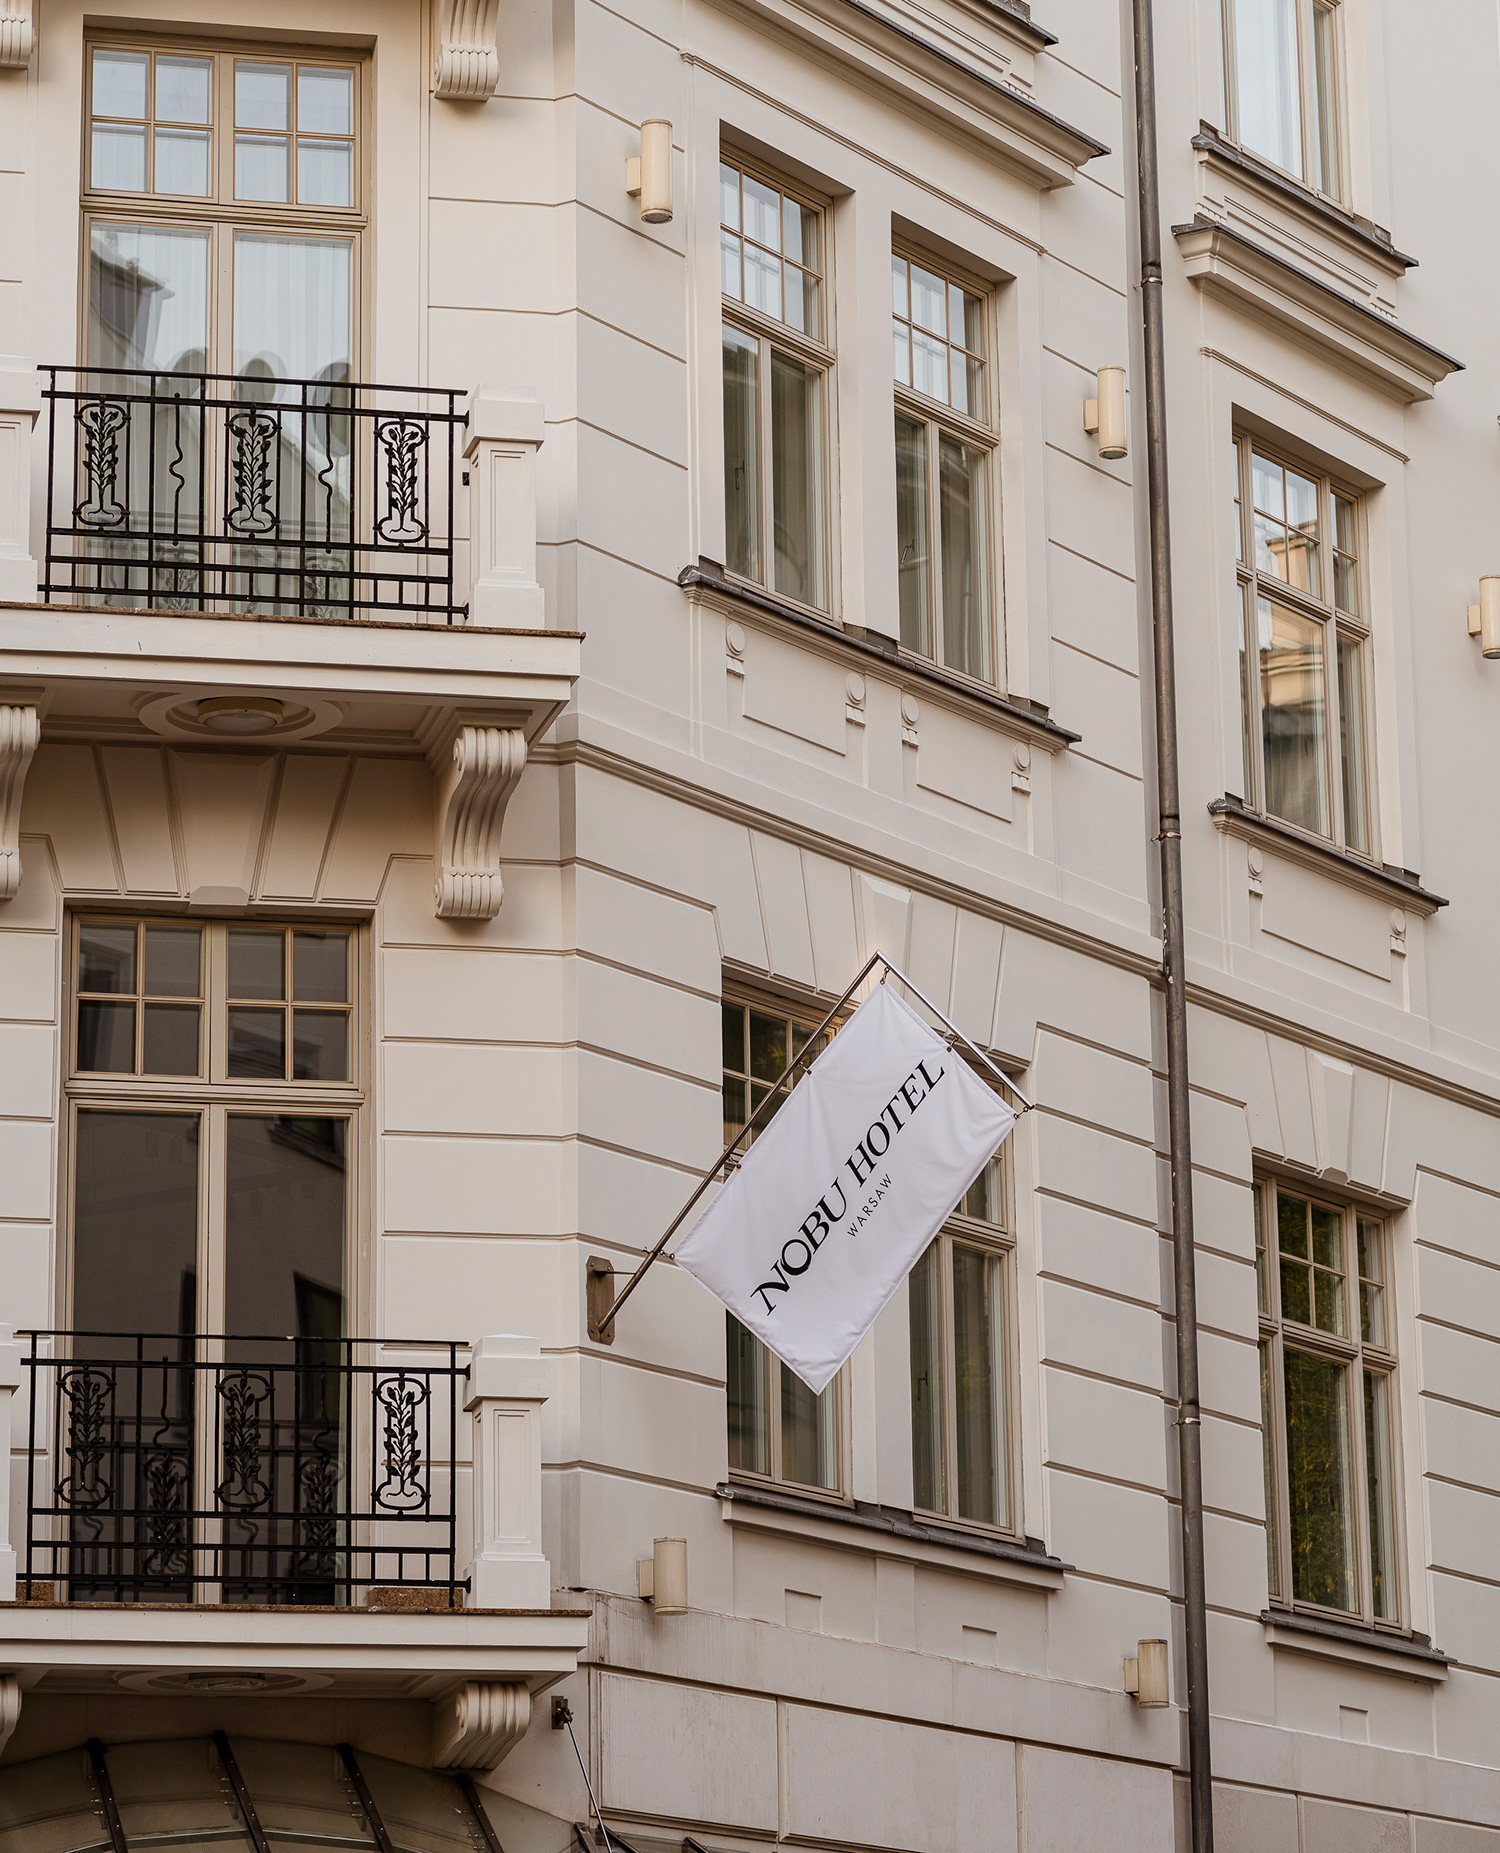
[1303, 689]
[777, 361]
[960, 1351]
[943, 445]
[1281, 65]
[777, 1428]
[222, 205]
[1327, 1372]
[212, 1092]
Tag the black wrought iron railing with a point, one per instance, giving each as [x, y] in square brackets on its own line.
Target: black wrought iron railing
[181, 1468]
[258, 496]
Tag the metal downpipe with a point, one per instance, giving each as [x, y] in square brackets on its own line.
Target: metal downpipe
[1189, 1426]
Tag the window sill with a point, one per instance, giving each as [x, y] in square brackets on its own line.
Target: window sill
[887, 1531]
[862, 646]
[1363, 234]
[1412, 1656]
[1396, 886]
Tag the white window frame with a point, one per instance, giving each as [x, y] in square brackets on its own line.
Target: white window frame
[1307, 97]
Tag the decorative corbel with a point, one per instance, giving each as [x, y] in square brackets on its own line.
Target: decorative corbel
[472, 795]
[20, 730]
[466, 67]
[477, 1726]
[16, 35]
[10, 1707]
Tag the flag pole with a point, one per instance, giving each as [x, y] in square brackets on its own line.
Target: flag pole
[727, 1158]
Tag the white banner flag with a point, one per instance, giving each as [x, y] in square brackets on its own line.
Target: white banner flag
[839, 1197]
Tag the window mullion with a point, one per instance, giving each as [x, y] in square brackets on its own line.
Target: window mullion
[1307, 95]
[950, 1378]
[767, 472]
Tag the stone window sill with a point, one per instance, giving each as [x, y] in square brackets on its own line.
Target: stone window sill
[1412, 1656]
[1386, 883]
[887, 1531]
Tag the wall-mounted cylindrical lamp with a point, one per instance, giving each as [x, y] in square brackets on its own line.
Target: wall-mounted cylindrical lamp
[1484, 618]
[1146, 1674]
[1106, 413]
[661, 1578]
[648, 176]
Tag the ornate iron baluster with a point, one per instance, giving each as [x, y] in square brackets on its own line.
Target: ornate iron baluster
[404, 1488]
[164, 1472]
[252, 437]
[401, 441]
[101, 421]
[243, 1395]
[90, 1396]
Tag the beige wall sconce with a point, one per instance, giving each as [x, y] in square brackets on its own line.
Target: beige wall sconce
[1105, 415]
[648, 175]
[1146, 1674]
[1484, 618]
[661, 1578]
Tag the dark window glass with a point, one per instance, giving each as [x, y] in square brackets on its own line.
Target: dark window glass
[320, 1045]
[257, 963]
[257, 1044]
[106, 957]
[106, 1038]
[170, 1039]
[320, 968]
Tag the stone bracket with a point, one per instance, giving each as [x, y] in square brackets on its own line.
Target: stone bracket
[477, 1726]
[466, 63]
[20, 730]
[16, 41]
[472, 795]
[10, 1707]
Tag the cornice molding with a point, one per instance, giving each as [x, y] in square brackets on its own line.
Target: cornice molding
[20, 732]
[1380, 880]
[466, 60]
[1225, 263]
[1411, 1657]
[484, 767]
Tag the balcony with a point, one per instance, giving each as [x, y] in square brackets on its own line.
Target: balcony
[281, 1516]
[224, 564]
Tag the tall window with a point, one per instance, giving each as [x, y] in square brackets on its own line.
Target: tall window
[1304, 645]
[777, 1428]
[943, 446]
[777, 357]
[960, 1364]
[1281, 62]
[1328, 1405]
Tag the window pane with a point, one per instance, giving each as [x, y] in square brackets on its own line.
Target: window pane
[729, 265]
[106, 1038]
[284, 1236]
[979, 1385]
[262, 95]
[262, 167]
[293, 306]
[320, 1045]
[118, 159]
[1248, 718]
[135, 1223]
[804, 302]
[762, 281]
[1328, 1272]
[735, 1110]
[1318, 1481]
[799, 234]
[762, 213]
[749, 1421]
[1266, 487]
[320, 968]
[1293, 717]
[148, 298]
[1268, 1463]
[182, 161]
[1296, 1276]
[1381, 1495]
[325, 101]
[1265, 44]
[808, 1431]
[929, 363]
[257, 963]
[325, 173]
[106, 957]
[768, 1048]
[257, 1045]
[983, 1200]
[1325, 102]
[120, 83]
[173, 960]
[729, 196]
[170, 1039]
[183, 88]
[929, 301]
[914, 573]
[925, 1310]
[797, 479]
[965, 576]
[1352, 744]
[742, 546]
[1302, 567]
[901, 352]
[734, 1037]
[1257, 1197]
[1345, 563]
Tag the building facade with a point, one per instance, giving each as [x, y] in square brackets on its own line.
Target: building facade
[491, 640]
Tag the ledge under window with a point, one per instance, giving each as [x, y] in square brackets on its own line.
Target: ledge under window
[1029, 718]
[1413, 1656]
[1380, 879]
[890, 1532]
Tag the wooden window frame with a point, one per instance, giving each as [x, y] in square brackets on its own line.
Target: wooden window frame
[1307, 96]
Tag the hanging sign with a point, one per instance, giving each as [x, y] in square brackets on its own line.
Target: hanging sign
[840, 1196]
